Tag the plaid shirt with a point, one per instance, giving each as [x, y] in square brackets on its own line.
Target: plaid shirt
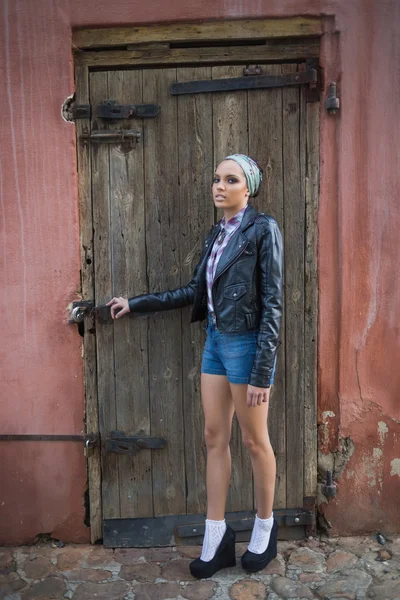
[217, 250]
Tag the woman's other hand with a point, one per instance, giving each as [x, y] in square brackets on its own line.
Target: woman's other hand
[119, 307]
[257, 395]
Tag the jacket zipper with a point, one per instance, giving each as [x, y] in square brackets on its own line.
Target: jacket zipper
[245, 244]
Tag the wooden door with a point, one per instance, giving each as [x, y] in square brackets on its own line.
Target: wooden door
[152, 205]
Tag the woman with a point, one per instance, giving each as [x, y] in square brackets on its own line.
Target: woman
[237, 286]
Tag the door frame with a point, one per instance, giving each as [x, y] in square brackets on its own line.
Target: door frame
[272, 40]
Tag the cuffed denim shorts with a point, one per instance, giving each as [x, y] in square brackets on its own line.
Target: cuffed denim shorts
[230, 354]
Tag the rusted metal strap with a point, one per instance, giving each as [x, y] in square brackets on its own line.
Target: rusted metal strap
[244, 83]
[89, 439]
[111, 111]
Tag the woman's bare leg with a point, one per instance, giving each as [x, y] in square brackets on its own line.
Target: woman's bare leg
[218, 413]
[253, 425]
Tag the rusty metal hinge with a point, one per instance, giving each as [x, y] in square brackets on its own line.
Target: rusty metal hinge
[310, 508]
[251, 80]
[313, 89]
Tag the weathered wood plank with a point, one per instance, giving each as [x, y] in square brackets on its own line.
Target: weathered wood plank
[294, 299]
[104, 291]
[230, 136]
[129, 279]
[278, 50]
[190, 32]
[162, 240]
[265, 145]
[311, 300]
[87, 291]
[196, 217]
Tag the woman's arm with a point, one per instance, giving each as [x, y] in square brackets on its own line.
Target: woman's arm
[271, 268]
[154, 302]
[167, 300]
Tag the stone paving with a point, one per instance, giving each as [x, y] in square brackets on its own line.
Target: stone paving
[318, 568]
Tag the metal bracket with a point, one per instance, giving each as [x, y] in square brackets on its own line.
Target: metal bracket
[79, 308]
[81, 111]
[313, 89]
[309, 507]
[89, 439]
[309, 76]
[117, 136]
[329, 488]
[286, 518]
[120, 443]
[252, 70]
[111, 111]
[187, 529]
[102, 313]
[332, 103]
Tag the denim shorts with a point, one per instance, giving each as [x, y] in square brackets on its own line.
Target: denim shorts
[230, 354]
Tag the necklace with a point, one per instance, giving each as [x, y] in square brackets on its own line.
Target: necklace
[221, 237]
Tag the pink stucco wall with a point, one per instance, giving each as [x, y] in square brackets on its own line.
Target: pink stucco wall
[42, 485]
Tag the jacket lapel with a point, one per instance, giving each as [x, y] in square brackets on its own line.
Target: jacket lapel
[249, 217]
[233, 250]
[238, 241]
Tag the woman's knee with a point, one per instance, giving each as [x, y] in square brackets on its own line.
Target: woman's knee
[215, 439]
[256, 445]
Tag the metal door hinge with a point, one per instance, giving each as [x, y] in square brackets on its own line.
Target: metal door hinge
[332, 103]
[310, 509]
[120, 443]
[313, 89]
[252, 80]
[111, 111]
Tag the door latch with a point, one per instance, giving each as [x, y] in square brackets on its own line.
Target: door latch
[110, 136]
[78, 310]
[120, 443]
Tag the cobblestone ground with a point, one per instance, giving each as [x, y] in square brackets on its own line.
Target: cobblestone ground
[344, 569]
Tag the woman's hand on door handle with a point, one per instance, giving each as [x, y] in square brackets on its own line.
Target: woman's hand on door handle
[119, 307]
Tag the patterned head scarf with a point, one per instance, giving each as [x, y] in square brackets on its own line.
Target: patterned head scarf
[251, 170]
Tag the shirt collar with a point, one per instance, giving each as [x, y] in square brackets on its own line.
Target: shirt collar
[233, 221]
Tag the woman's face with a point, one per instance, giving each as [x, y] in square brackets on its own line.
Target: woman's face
[229, 186]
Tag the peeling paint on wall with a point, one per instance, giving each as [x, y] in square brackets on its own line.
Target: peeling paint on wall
[326, 414]
[324, 427]
[372, 469]
[395, 466]
[382, 431]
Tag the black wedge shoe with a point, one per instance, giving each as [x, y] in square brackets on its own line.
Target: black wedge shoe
[224, 557]
[256, 562]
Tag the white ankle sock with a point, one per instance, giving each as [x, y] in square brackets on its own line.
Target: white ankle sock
[261, 534]
[215, 531]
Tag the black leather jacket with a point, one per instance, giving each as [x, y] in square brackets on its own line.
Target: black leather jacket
[247, 289]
